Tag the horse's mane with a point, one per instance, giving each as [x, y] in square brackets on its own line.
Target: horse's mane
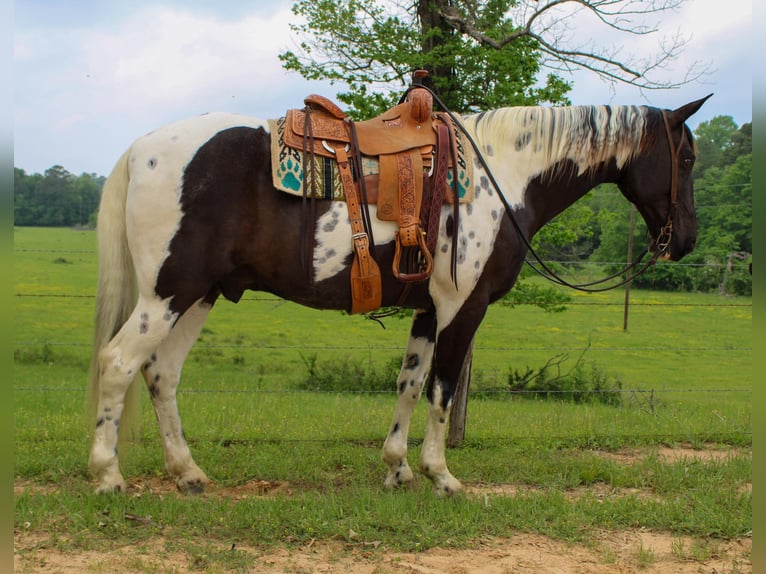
[586, 135]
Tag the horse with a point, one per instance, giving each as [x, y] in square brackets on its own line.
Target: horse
[190, 213]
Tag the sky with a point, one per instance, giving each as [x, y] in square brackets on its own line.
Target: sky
[91, 76]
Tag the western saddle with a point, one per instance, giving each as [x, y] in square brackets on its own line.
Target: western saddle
[415, 148]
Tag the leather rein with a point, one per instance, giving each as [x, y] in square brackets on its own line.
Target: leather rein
[661, 244]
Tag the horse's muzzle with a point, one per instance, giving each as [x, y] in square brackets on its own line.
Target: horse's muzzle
[681, 247]
[675, 250]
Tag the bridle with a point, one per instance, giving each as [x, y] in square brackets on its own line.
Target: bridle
[662, 243]
[635, 268]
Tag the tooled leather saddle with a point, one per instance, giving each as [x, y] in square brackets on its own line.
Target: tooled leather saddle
[415, 148]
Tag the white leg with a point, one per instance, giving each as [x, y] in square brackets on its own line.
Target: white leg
[415, 368]
[119, 363]
[452, 343]
[162, 373]
[433, 462]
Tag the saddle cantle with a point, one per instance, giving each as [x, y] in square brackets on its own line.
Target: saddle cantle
[414, 148]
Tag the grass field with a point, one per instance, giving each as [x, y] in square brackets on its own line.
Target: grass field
[684, 366]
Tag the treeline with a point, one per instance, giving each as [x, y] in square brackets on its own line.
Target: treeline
[595, 229]
[56, 198]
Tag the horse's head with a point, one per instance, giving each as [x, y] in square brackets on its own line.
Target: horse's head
[659, 181]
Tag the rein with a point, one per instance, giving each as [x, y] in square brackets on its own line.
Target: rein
[661, 243]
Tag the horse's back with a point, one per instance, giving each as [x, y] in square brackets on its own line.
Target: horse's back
[177, 142]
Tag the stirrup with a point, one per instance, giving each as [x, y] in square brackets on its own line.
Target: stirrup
[423, 250]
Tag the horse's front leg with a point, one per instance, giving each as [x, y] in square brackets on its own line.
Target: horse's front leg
[433, 461]
[415, 368]
[452, 344]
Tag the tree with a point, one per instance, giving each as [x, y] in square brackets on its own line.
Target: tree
[57, 198]
[481, 54]
[551, 24]
[713, 138]
[725, 197]
[741, 144]
[371, 45]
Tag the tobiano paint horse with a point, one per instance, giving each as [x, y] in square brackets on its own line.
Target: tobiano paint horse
[190, 214]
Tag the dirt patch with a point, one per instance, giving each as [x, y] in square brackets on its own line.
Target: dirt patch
[599, 490]
[250, 489]
[677, 453]
[610, 553]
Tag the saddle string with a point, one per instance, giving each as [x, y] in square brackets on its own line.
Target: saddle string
[356, 164]
[310, 179]
[545, 270]
[455, 204]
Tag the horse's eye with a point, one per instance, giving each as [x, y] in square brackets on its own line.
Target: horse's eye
[687, 162]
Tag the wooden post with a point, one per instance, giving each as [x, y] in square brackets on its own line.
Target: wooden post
[630, 260]
[457, 416]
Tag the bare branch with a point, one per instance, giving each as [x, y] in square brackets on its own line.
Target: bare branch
[551, 23]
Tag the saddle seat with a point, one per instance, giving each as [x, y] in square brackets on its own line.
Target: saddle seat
[406, 126]
[414, 148]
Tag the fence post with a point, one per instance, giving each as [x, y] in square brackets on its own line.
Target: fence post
[457, 416]
[630, 260]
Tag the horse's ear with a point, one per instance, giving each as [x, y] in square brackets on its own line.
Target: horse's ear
[685, 112]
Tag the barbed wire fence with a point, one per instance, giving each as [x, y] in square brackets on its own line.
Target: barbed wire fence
[457, 422]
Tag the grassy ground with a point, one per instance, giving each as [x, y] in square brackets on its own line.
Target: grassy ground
[684, 366]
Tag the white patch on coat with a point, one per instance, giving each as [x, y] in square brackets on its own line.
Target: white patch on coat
[333, 243]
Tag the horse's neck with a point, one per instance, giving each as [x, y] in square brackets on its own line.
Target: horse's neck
[552, 192]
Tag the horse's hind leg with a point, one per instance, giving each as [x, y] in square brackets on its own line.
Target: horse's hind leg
[118, 364]
[162, 372]
[415, 368]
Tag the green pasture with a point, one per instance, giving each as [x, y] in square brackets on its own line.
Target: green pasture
[684, 367]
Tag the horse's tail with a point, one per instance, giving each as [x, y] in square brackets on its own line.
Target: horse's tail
[116, 293]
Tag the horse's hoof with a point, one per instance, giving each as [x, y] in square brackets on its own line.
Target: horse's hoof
[112, 487]
[402, 476]
[191, 485]
[447, 486]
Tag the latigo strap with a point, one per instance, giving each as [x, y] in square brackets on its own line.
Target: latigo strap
[366, 289]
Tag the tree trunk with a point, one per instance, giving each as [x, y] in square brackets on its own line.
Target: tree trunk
[436, 32]
[459, 411]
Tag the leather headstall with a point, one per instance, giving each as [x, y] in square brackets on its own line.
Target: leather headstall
[662, 242]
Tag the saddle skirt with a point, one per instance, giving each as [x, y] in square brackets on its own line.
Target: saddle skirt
[288, 168]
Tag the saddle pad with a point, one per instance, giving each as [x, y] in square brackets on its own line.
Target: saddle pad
[288, 176]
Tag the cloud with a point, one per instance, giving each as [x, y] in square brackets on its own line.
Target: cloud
[165, 59]
[90, 89]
